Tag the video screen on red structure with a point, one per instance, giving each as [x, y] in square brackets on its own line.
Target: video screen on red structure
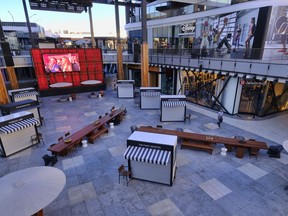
[65, 62]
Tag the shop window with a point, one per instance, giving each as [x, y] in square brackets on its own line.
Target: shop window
[199, 87]
[250, 98]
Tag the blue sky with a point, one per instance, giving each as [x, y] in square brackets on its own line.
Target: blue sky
[103, 18]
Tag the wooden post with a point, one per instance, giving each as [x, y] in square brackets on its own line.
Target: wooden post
[12, 77]
[4, 99]
[91, 28]
[144, 65]
[120, 71]
[120, 62]
[144, 46]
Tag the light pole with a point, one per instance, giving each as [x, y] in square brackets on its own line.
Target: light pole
[28, 24]
[11, 15]
[32, 16]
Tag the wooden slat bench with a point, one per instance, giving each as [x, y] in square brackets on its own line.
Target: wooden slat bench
[197, 145]
[92, 137]
[92, 131]
[199, 140]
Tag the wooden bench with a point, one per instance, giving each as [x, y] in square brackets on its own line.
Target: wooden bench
[206, 142]
[197, 145]
[93, 136]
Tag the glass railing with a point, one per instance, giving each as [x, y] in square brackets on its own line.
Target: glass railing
[164, 10]
[184, 57]
[265, 54]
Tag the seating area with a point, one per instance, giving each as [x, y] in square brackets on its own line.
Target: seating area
[50, 160]
[37, 138]
[100, 94]
[195, 145]
[92, 172]
[63, 99]
[124, 173]
[188, 118]
[206, 142]
[274, 151]
[133, 128]
[96, 134]
[92, 131]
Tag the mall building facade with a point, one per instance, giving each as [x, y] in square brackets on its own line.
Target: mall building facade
[198, 50]
[220, 54]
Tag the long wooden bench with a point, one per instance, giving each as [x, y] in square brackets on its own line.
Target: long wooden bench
[196, 145]
[195, 140]
[92, 137]
[91, 131]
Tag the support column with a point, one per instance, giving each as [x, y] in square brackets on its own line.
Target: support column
[120, 62]
[8, 60]
[28, 24]
[144, 65]
[4, 99]
[91, 28]
[120, 70]
[12, 77]
[144, 47]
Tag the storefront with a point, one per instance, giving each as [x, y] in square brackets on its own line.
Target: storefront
[23, 94]
[152, 157]
[150, 97]
[263, 97]
[28, 105]
[172, 107]
[125, 88]
[16, 131]
[235, 93]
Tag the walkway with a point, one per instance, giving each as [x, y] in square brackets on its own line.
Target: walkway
[271, 128]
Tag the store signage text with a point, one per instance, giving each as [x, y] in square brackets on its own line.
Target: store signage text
[187, 28]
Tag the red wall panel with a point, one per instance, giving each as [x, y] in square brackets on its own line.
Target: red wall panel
[90, 61]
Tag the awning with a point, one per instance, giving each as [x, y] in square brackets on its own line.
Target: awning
[26, 94]
[127, 85]
[147, 155]
[19, 125]
[174, 103]
[150, 94]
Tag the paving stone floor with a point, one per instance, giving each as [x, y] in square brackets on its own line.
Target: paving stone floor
[205, 184]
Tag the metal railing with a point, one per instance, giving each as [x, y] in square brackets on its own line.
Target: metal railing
[267, 62]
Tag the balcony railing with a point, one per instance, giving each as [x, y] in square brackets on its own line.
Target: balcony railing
[272, 63]
[267, 62]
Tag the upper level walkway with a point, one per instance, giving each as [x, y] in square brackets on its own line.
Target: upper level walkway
[272, 65]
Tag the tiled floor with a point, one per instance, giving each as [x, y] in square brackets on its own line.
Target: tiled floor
[205, 184]
[214, 188]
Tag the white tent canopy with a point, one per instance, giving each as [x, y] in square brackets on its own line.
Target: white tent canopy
[27, 191]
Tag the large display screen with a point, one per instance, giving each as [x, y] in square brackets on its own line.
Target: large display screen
[65, 62]
[277, 35]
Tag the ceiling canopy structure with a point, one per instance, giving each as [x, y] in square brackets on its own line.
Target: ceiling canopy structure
[77, 6]
[72, 6]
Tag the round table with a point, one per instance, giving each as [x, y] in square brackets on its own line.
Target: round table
[90, 82]
[61, 85]
[28, 191]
